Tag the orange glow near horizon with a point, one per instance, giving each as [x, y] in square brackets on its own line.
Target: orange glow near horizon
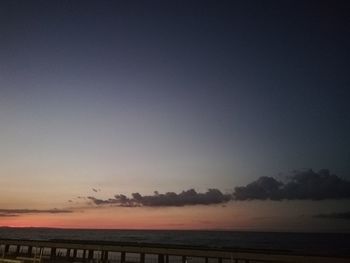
[130, 218]
[232, 216]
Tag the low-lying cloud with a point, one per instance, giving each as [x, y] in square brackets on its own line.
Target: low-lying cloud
[17, 212]
[189, 197]
[8, 215]
[304, 185]
[340, 215]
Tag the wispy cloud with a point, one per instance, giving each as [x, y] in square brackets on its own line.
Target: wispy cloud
[8, 215]
[17, 212]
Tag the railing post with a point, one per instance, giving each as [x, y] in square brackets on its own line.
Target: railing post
[7, 248]
[53, 252]
[160, 258]
[30, 250]
[122, 257]
[91, 254]
[184, 259]
[104, 256]
[142, 258]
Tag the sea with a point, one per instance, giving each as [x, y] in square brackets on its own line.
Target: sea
[330, 244]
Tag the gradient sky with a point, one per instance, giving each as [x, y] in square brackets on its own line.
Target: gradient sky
[138, 96]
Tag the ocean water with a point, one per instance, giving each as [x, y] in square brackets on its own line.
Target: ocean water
[336, 244]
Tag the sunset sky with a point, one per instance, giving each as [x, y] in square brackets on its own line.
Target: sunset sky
[103, 99]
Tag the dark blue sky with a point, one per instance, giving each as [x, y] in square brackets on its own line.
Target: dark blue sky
[274, 73]
[173, 94]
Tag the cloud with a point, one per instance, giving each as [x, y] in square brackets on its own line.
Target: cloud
[302, 185]
[188, 197]
[8, 215]
[17, 212]
[341, 215]
[263, 188]
[97, 201]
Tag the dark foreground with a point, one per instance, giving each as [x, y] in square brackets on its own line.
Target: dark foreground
[19, 251]
[325, 244]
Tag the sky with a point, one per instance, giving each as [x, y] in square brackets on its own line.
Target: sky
[175, 115]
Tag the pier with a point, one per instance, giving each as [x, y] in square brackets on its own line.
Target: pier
[36, 251]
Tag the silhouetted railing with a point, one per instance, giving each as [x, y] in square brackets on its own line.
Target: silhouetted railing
[19, 251]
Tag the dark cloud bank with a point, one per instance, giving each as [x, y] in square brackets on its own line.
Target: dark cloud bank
[305, 185]
[189, 197]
